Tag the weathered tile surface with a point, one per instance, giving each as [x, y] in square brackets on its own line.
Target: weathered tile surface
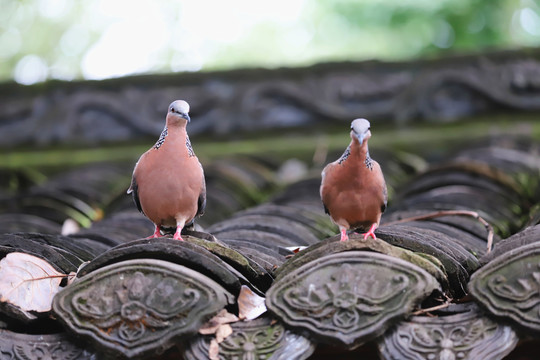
[349, 298]
[139, 307]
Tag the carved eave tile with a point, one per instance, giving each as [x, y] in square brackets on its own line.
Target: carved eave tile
[43, 346]
[509, 286]
[262, 338]
[349, 298]
[462, 335]
[139, 307]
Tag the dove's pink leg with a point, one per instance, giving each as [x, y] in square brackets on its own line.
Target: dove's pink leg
[177, 234]
[371, 232]
[344, 236]
[179, 226]
[156, 233]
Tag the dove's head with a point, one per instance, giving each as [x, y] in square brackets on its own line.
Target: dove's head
[360, 130]
[178, 113]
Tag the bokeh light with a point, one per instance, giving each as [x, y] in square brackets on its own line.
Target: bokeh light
[98, 39]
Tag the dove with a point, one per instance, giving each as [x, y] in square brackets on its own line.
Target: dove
[353, 189]
[168, 183]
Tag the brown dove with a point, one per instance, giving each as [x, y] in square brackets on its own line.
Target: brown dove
[353, 190]
[168, 180]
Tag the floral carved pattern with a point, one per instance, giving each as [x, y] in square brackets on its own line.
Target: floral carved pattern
[347, 297]
[139, 303]
[510, 286]
[261, 339]
[139, 306]
[467, 335]
[350, 296]
[252, 343]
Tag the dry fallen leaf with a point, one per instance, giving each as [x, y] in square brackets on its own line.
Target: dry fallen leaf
[213, 350]
[222, 332]
[212, 325]
[218, 325]
[28, 282]
[296, 249]
[250, 305]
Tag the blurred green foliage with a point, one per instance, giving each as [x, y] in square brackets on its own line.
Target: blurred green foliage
[42, 39]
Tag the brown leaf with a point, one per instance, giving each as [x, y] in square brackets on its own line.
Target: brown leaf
[28, 282]
[250, 305]
[213, 350]
[222, 332]
[218, 325]
[212, 325]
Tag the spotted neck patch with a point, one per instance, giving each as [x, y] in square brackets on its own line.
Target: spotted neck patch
[368, 161]
[189, 148]
[161, 139]
[345, 155]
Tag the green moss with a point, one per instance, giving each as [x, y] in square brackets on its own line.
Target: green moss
[228, 255]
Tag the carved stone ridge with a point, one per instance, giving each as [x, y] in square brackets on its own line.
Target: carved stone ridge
[89, 113]
[140, 306]
[468, 335]
[509, 286]
[349, 297]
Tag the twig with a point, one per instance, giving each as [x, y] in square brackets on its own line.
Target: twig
[437, 214]
[438, 307]
[48, 277]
